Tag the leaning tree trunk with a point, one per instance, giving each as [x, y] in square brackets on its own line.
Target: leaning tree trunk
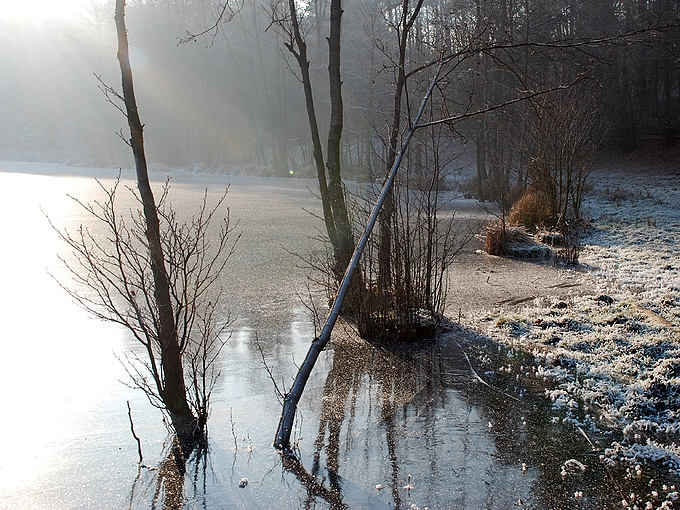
[292, 398]
[171, 385]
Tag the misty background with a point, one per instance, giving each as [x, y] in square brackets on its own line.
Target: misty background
[232, 99]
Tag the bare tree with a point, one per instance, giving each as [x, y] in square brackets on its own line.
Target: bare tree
[157, 277]
[336, 216]
[564, 132]
[407, 18]
[282, 440]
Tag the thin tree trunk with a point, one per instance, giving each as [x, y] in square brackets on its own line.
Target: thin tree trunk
[387, 215]
[171, 388]
[335, 189]
[317, 151]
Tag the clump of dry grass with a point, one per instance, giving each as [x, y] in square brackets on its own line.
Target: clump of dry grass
[512, 241]
[495, 236]
[531, 210]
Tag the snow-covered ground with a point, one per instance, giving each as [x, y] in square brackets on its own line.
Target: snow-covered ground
[612, 359]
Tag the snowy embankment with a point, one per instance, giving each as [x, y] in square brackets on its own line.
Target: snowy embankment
[612, 359]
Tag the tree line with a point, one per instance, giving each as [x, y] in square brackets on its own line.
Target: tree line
[233, 99]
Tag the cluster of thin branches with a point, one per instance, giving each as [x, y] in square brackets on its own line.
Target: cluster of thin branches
[112, 281]
[425, 238]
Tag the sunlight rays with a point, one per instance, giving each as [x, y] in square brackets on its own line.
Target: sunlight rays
[42, 9]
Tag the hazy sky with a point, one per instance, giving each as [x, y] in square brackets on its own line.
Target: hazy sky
[17, 9]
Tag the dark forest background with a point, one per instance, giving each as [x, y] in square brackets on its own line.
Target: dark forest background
[231, 99]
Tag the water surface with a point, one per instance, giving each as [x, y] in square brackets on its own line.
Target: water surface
[416, 422]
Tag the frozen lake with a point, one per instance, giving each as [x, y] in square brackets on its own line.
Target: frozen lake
[370, 416]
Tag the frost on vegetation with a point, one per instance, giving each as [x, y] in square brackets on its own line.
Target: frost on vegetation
[634, 249]
[632, 378]
[572, 467]
[513, 326]
[666, 454]
[560, 398]
[612, 360]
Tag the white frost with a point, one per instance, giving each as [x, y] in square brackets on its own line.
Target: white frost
[612, 359]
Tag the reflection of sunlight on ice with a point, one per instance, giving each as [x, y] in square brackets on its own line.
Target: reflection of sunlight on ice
[56, 360]
[239, 339]
[66, 429]
[301, 328]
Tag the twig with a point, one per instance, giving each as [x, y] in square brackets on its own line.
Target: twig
[227, 13]
[609, 473]
[132, 429]
[477, 376]
[279, 394]
[233, 433]
[583, 433]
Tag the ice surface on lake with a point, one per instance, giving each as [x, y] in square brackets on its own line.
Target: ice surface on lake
[369, 416]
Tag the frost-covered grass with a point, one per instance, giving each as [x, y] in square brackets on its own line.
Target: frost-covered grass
[634, 246]
[612, 359]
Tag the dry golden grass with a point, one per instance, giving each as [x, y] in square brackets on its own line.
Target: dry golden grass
[530, 211]
[494, 238]
[512, 241]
